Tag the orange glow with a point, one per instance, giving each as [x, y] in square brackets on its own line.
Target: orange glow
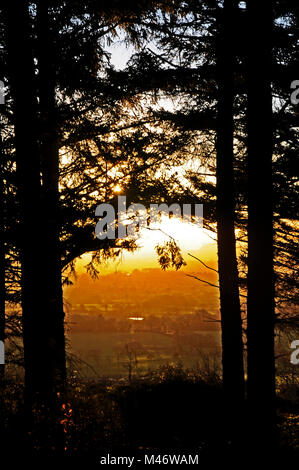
[190, 237]
[117, 189]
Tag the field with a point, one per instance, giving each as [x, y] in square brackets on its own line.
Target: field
[122, 354]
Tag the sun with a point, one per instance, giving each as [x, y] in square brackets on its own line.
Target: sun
[117, 188]
[189, 236]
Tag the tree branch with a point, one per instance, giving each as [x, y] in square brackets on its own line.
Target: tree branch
[205, 265]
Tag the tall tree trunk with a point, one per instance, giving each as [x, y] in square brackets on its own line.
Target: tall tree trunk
[231, 322]
[42, 311]
[2, 255]
[22, 84]
[260, 302]
[2, 286]
[50, 193]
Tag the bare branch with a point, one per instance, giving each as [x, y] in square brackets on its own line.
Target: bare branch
[209, 283]
[201, 280]
[205, 265]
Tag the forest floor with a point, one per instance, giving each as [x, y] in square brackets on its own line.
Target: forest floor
[169, 412]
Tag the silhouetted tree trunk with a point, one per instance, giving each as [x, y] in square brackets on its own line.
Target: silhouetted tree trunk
[22, 84]
[49, 145]
[231, 323]
[2, 255]
[42, 311]
[260, 303]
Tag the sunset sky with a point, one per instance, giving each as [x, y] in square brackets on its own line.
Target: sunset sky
[191, 239]
[136, 283]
